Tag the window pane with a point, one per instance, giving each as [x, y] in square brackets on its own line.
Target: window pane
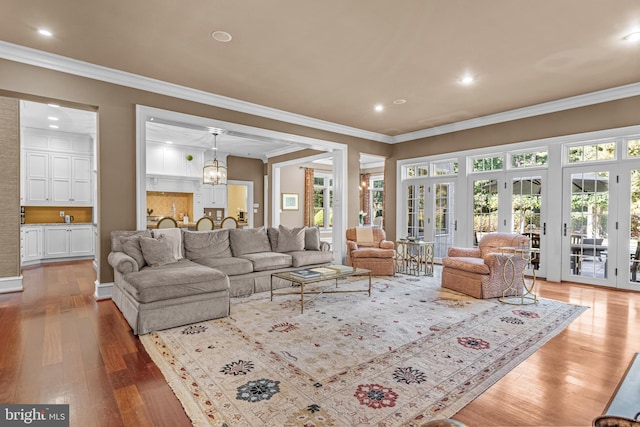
[633, 148]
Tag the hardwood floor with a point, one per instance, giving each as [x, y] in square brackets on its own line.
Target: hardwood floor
[58, 345]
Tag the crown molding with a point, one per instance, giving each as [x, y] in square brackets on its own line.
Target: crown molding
[584, 100]
[67, 65]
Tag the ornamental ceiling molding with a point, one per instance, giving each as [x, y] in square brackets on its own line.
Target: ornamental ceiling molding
[67, 65]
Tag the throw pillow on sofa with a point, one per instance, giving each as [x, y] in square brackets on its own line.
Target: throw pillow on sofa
[311, 239]
[174, 237]
[206, 244]
[248, 241]
[290, 239]
[131, 247]
[158, 251]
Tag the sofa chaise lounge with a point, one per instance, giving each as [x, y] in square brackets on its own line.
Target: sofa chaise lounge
[175, 277]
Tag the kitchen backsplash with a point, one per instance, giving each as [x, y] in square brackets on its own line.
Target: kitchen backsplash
[51, 214]
[162, 202]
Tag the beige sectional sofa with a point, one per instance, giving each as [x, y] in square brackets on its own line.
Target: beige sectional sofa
[173, 277]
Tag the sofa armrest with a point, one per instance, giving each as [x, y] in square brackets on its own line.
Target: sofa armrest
[325, 246]
[496, 259]
[351, 245]
[386, 244]
[122, 262]
[464, 252]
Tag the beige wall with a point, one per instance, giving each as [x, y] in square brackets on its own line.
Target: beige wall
[244, 169]
[608, 115]
[10, 188]
[292, 181]
[116, 154]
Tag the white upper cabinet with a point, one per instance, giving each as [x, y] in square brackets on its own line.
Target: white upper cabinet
[163, 159]
[57, 169]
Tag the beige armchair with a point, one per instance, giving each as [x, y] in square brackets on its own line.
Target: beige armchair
[479, 272]
[367, 248]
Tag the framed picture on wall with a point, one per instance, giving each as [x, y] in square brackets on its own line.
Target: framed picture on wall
[289, 201]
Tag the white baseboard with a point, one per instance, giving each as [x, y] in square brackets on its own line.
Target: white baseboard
[103, 290]
[11, 284]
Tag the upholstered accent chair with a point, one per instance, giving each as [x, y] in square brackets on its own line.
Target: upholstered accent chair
[367, 248]
[479, 272]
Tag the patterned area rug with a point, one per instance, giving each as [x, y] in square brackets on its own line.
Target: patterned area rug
[410, 353]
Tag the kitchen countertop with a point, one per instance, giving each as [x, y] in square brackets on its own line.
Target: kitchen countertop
[56, 223]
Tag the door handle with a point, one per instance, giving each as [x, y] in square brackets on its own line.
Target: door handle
[544, 228]
[565, 229]
[455, 225]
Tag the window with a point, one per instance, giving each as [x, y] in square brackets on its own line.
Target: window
[445, 167]
[416, 171]
[633, 147]
[529, 159]
[483, 164]
[591, 152]
[322, 200]
[376, 201]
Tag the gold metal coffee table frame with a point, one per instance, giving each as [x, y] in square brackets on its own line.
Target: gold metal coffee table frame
[303, 282]
[510, 294]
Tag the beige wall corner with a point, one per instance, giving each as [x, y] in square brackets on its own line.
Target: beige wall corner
[10, 192]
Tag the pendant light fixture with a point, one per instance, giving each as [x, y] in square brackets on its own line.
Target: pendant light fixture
[214, 171]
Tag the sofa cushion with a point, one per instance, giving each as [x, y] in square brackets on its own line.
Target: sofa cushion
[470, 264]
[290, 239]
[229, 266]
[272, 233]
[264, 261]
[131, 247]
[311, 239]
[116, 235]
[372, 253]
[304, 258]
[248, 241]
[174, 237]
[157, 252]
[175, 280]
[203, 244]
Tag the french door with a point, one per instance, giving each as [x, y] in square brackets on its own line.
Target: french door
[512, 202]
[431, 213]
[590, 225]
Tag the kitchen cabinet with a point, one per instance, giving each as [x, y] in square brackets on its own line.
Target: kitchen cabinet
[67, 240]
[31, 239]
[163, 159]
[214, 196]
[57, 179]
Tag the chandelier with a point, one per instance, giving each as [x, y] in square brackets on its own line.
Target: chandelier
[214, 171]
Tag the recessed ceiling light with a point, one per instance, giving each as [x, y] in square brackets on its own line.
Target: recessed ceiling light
[169, 142]
[53, 119]
[633, 37]
[45, 33]
[399, 101]
[54, 105]
[53, 126]
[467, 80]
[221, 36]
[378, 107]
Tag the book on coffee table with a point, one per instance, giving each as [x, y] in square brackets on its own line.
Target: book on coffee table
[305, 274]
[324, 271]
[341, 268]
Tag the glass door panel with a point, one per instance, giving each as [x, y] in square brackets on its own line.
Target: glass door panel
[485, 208]
[415, 210]
[527, 208]
[586, 225]
[634, 228]
[443, 218]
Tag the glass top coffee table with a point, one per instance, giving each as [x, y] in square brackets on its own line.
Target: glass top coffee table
[302, 282]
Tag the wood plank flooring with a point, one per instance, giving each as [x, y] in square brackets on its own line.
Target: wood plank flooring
[58, 345]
